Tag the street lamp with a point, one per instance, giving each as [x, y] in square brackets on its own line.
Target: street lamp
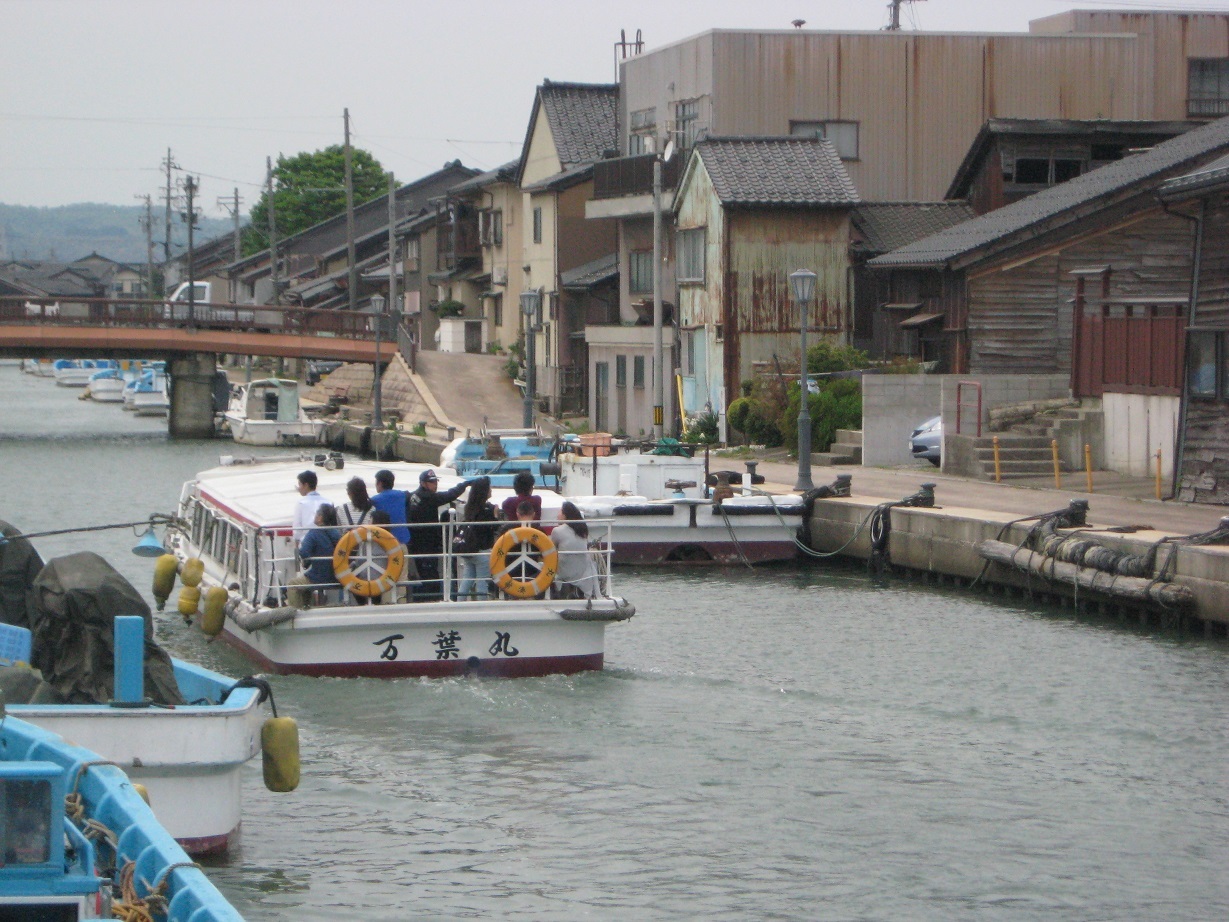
[802, 284]
[530, 301]
[377, 414]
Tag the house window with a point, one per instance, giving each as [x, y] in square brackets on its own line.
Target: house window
[1042, 168]
[1203, 365]
[718, 332]
[687, 123]
[840, 134]
[638, 371]
[1208, 87]
[640, 271]
[497, 310]
[412, 245]
[691, 255]
[643, 132]
[689, 352]
[491, 228]
[537, 225]
[620, 371]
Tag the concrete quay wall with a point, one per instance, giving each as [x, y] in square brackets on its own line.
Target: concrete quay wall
[943, 542]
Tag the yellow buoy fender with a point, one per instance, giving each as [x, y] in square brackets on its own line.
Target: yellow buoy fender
[142, 790]
[189, 600]
[165, 568]
[279, 748]
[193, 570]
[214, 611]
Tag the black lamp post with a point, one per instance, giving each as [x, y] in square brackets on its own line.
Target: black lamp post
[377, 411]
[530, 300]
[802, 284]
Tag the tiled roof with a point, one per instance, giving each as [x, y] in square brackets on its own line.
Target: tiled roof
[776, 171]
[591, 273]
[562, 180]
[1099, 186]
[885, 226]
[505, 173]
[1213, 174]
[583, 119]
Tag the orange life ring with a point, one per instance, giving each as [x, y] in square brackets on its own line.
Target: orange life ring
[547, 564]
[366, 577]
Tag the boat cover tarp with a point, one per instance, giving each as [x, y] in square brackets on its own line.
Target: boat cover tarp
[19, 565]
[72, 610]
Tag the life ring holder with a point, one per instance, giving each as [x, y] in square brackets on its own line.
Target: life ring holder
[359, 540]
[501, 567]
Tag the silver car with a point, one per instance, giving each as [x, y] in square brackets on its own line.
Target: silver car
[926, 443]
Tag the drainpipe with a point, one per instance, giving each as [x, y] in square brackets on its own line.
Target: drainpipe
[1192, 314]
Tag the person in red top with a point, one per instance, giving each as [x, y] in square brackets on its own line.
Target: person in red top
[522, 484]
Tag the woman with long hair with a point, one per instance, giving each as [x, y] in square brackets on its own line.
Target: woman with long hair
[358, 511]
[474, 538]
[577, 577]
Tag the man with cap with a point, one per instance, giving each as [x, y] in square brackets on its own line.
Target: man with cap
[427, 543]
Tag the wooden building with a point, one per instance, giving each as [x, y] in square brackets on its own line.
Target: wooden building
[1203, 447]
[748, 212]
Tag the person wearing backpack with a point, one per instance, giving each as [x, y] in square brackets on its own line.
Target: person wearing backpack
[474, 539]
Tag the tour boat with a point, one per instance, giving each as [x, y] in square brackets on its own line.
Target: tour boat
[268, 412]
[78, 842]
[237, 519]
[669, 507]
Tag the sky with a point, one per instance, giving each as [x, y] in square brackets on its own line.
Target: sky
[94, 92]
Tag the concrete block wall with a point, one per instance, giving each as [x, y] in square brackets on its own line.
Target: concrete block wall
[893, 406]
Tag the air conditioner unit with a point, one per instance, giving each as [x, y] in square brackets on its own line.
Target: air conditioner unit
[499, 275]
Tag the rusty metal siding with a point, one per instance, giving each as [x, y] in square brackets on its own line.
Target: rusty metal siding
[764, 248]
[919, 98]
[1020, 317]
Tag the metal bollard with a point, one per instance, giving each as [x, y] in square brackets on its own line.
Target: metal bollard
[1058, 476]
[998, 468]
[1088, 465]
[1158, 473]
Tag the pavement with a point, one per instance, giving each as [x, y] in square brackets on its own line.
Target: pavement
[1115, 500]
[473, 390]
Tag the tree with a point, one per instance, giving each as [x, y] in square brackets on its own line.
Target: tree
[310, 188]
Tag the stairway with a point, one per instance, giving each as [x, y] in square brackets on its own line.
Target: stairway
[847, 449]
[1019, 456]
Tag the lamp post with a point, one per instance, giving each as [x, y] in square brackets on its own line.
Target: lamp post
[530, 300]
[802, 284]
[377, 411]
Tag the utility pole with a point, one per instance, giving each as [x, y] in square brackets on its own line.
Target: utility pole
[147, 223]
[189, 217]
[894, 13]
[232, 206]
[352, 282]
[169, 164]
[392, 255]
[277, 297]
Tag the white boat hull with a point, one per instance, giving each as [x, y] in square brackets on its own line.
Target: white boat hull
[190, 758]
[272, 432]
[151, 404]
[435, 639]
[107, 390]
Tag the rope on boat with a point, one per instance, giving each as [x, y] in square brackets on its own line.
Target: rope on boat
[157, 518]
[258, 682]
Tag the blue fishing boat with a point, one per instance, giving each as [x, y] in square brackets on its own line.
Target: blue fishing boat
[78, 842]
[501, 454]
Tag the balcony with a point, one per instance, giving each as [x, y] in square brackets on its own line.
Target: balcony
[624, 176]
[1207, 108]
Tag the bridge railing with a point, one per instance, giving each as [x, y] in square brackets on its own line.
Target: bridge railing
[146, 314]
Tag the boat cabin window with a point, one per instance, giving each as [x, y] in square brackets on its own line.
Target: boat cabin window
[26, 818]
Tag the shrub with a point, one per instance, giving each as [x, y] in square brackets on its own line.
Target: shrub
[837, 405]
[702, 429]
[756, 419]
[449, 308]
[824, 357]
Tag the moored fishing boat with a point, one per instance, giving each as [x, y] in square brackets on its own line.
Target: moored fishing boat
[237, 521]
[80, 843]
[268, 412]
[669, 506]
[149, 393]
[77, 372]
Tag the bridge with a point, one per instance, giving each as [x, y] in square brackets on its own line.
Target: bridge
[188, 337]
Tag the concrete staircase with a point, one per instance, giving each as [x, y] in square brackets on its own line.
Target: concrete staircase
[1019, 456]
[847, 449]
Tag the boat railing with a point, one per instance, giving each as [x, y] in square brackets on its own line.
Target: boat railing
[438, 576]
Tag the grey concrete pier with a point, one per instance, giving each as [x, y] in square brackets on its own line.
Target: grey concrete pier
[192, 376]
[941, 542]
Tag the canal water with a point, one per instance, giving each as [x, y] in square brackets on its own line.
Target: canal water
[793, 743]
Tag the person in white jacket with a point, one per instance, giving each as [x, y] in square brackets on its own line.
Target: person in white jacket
[577, 577]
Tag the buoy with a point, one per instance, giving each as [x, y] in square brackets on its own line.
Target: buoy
[142, 790]
[214, 611]
[279, 749]
[189, 600]
[164, 578]
[193, 570]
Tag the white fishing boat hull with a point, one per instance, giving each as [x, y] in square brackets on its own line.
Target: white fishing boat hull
[190, 758]
[107, 390]
[74, 377]
[268, 433]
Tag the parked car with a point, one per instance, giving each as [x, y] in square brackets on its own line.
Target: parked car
[318, 368]
[926, 443]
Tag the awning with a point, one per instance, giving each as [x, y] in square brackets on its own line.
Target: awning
[919, 320]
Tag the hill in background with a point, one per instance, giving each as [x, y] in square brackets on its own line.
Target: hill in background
[68, 232]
